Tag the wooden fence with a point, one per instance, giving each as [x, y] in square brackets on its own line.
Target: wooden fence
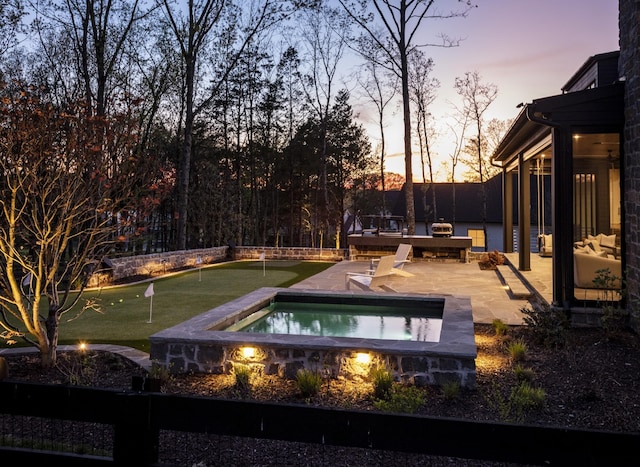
[145, 428]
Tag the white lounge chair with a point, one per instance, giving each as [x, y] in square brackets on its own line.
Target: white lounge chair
[378, 279]
[400, 259]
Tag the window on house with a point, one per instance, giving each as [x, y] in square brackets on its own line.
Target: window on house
[477, 237]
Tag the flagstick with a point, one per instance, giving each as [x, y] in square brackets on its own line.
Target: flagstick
[150, 308]
[264, 266]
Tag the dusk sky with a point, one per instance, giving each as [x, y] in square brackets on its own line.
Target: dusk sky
[529, 49]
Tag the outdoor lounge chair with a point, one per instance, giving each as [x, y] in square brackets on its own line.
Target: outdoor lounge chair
[378, 279]
[400, 259]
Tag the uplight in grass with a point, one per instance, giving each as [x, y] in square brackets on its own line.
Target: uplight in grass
[82, 346]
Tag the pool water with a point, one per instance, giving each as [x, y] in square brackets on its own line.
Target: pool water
[359, 321]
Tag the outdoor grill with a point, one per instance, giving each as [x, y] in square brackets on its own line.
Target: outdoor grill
[441, 229]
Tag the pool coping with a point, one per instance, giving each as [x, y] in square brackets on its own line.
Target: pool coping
[457, 337]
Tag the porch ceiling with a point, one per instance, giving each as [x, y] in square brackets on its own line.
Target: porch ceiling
[579, 111]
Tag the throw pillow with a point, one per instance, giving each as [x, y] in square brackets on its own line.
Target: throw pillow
[547, 241]
[594, 245]
[597, 238]
[608, 241]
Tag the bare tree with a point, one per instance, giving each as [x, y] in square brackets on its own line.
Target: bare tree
[381, 90]
[98, 31]
[423, 89]
[476, 99]
[193, 34]
[11, 14]
[65, 176]
[402, 20]
[459, 137]
[325, 44]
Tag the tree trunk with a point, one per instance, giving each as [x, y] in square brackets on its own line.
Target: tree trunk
[408, 170]
[185, 160]
[49, 341]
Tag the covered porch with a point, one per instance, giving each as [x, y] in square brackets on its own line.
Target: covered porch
[570, 143]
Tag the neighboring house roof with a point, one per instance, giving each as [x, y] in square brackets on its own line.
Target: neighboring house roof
[468, 200]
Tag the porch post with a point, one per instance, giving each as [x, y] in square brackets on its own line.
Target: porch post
[562, 217]
[524, 213]
[507, 211]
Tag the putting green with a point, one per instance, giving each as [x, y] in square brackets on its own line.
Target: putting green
[127, 317]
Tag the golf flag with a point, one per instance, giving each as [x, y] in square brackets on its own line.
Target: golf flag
[262, 256]
[149, 294]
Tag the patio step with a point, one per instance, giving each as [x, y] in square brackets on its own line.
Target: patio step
[515, 284]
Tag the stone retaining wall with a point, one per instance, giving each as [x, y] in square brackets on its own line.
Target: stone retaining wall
[291, 253]
[155, 264]
[159, 263]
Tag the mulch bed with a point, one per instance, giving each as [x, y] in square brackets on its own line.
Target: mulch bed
[591, 382]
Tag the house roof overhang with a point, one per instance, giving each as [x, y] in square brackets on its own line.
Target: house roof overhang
[598, 108]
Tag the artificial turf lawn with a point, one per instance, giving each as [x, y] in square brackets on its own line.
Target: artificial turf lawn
[126, 311]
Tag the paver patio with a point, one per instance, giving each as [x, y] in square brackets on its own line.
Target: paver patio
[490, 298]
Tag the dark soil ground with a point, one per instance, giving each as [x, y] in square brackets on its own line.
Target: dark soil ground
[590, 382]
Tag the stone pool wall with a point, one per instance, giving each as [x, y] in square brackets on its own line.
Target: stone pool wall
[285, 362]
[201, 345]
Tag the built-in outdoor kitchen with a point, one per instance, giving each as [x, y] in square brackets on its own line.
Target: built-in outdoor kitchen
[381, 235]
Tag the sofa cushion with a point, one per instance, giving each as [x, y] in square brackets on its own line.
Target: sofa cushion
[547, 241]
[608, 240]
[589, 266]
[584, 250]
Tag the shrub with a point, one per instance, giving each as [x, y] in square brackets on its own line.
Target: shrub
[524, 373]
[242, 375]
[613, 316]
[382, 383]
[525, 398]
[549, 327]
[159, 372]
[517, 350]
[522, 399]
[451, 390]
[500, 327]
[404, 399]
[309, 382]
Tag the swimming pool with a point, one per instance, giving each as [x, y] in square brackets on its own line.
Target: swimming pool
[205, 344]
[360, 320]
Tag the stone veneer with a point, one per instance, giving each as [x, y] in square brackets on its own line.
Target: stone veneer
[629, 68]
[159, 263]
[197, 345]
[289, 253]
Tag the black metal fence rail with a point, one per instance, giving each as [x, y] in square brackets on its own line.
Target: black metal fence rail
[140, 420]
